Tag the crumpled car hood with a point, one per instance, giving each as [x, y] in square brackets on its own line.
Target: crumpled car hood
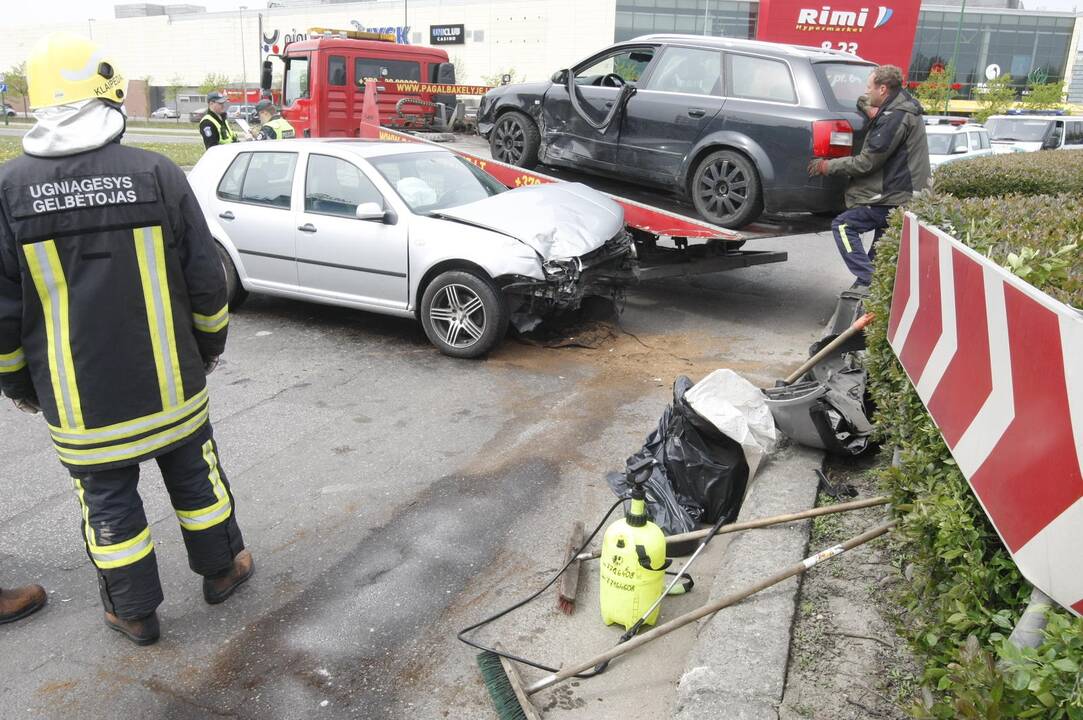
[558, 220]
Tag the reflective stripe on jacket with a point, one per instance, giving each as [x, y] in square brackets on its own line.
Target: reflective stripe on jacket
[112, 296]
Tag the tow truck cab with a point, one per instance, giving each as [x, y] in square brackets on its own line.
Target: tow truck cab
[323, 82]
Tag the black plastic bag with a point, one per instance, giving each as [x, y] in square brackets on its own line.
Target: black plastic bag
[700, 474]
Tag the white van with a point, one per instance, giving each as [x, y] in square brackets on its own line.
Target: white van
[1026, 133]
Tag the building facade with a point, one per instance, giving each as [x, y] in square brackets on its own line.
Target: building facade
[530, 39]
[1033, 47]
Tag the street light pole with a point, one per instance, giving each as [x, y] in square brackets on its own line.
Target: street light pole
[405, 14]
[954, 56]
[244, 66]
[90, 27]
[706, 7]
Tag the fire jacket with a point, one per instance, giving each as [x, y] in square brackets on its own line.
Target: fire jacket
[215, 130]
[894, 162]
[112, 297]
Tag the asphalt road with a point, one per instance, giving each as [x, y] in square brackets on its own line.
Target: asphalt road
[391, 496]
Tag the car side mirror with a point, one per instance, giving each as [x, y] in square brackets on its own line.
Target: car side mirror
[370, 211]
[560, 77]
[265, 76]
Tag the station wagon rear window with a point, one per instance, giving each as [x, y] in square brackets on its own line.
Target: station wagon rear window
[757, 78]
[842, 83]
[382, 69]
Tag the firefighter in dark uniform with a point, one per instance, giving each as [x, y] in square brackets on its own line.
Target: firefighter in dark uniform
[112, 311]
[214, 127]
[272, 125]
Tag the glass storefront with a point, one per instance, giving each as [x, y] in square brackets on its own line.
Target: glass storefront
[723, 18]
[1028, 47]
[1033, 47]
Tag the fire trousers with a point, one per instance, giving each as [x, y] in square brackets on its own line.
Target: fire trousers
[117, 536]
[847, 229]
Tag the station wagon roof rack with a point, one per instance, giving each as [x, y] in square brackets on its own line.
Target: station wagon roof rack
[730, 42]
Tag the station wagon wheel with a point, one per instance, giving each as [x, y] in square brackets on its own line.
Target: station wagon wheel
[726, 189]
[463, 314]
[515, 140]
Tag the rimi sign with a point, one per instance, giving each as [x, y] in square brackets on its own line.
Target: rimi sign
[881, 33]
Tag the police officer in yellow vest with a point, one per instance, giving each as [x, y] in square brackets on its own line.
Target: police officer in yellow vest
[214, 128]
[272, 125]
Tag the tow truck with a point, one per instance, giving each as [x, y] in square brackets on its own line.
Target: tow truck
[341, 83]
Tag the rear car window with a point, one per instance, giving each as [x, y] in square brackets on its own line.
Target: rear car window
[842, 83]
[758, 78]
[269, 179]
[382, 69]
[687, 70]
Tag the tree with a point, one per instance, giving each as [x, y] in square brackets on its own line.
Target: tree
[937, 90]
[172, 88]
[213, 82]
[15, 79]
[1044, 96]
[996, 97]
[498, 77]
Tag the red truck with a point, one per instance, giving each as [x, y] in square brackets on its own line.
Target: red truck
[323, 82]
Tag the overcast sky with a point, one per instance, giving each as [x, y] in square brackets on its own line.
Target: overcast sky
[18, 13]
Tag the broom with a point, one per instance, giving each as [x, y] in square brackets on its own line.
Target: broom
[511, 697]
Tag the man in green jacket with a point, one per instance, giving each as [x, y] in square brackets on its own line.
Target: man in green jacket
[891, 167]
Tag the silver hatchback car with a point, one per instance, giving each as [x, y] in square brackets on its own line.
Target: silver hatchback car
[409, 230]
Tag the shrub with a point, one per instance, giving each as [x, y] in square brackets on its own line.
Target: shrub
[964, 592]
[1033, 173]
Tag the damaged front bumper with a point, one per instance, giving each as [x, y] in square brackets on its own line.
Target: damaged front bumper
[603, 272]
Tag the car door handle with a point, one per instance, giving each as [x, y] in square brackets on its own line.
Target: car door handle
[608, 105]
[307, 227]
[696, 112]
[227, 215]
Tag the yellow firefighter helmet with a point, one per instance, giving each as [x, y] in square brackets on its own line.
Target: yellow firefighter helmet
[65, 68]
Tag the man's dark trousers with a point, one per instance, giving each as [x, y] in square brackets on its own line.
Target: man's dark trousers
[847, 228]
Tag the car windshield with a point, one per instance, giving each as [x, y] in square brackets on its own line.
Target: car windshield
[429, 181]
[843, 83]
[940, 143]
[1024, 129]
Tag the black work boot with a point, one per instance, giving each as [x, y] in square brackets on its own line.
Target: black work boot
[219, 587]
[21, 601]
[144, 631]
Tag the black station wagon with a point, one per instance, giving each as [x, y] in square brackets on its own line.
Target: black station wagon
[728, 124]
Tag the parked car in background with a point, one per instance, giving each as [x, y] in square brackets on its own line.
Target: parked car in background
[165, 113]
[244, 112]
[407, 230]
[1027, 133]
[950, 143]
[9, 110]
[729, 124]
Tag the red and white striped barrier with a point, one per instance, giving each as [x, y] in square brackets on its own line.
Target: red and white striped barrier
[999, 365]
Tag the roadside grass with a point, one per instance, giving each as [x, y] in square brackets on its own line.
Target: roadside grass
[182, 124]
[184, 154]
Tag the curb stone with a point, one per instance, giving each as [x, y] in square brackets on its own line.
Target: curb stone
[737, 667]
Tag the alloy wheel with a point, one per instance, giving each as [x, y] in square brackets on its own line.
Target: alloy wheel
[510, 141]
[458, 315]
[723, 188]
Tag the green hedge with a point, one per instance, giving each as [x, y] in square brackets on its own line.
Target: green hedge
[1035, 173]
[963, 592]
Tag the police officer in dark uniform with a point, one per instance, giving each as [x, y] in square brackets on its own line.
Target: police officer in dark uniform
[214, 127]
[112, 311]
[272, 125]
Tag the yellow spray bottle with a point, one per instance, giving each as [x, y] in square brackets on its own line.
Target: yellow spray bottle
[633, 559]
